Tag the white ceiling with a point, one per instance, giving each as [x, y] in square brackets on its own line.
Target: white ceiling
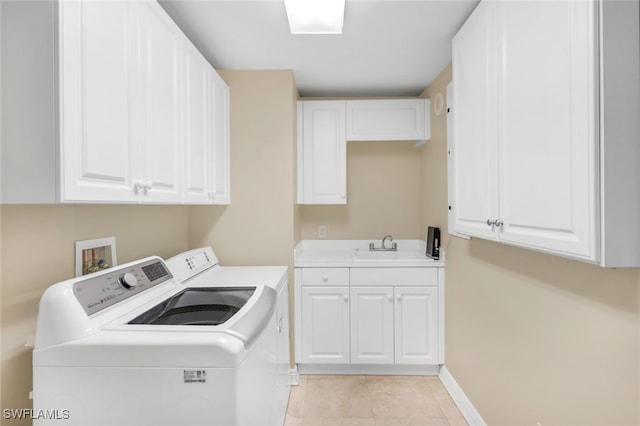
[387, 48]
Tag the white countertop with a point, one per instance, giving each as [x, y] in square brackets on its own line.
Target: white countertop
[344, 253]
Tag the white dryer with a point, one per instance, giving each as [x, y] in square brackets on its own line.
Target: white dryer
[133, 346]
[200, 268]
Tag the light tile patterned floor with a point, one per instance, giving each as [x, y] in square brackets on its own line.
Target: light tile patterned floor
[328, 400]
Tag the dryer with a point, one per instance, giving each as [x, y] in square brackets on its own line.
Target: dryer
[132, 345]
[200, 268]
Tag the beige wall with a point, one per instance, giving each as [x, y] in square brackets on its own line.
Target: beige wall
[532, 337]
[383, 195]
[258, 226]
[38, 250]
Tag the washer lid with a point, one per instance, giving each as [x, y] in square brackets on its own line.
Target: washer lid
[197, 306]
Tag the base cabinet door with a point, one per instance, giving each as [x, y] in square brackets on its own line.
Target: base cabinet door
[325, 325]
[416, 325]
[371, 325]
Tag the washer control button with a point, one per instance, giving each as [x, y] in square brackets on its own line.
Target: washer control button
[128, 280]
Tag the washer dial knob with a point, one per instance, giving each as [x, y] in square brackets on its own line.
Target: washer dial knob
[128, 280]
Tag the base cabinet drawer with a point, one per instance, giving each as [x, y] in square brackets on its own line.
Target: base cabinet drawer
[394, 276]
[325, 276]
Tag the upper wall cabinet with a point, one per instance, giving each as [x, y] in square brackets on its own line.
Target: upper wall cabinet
[206, 132]
[388, 120]
[545, 128]
[325, 126]
[322, 153]
[119, 120]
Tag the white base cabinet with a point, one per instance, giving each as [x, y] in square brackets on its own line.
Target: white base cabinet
[376, 316]
[325, 323]
[415, 314]
[372, 334]
[132, 124]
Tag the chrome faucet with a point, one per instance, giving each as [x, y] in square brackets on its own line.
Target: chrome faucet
[384, 247]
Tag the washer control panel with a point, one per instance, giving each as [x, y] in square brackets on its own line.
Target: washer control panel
[117, 284]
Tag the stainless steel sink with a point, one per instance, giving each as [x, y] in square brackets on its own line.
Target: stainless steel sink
[365, 255]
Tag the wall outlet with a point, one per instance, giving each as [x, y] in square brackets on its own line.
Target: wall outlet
[322, 231]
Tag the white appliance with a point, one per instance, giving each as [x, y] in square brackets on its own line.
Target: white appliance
[200, 268]
[134, 346]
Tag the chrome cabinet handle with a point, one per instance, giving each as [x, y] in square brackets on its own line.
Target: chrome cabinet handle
[498, 223]
[491, 222]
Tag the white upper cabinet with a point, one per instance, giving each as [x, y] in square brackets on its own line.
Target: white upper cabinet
[325, 126]
[547, 114]
[97, 102]
[388, 120]
[322, 152]
[206, 132]
[527, 140]
[198, 140]
[475, 123]
[126, 118]
[219, 176]
[160, 106]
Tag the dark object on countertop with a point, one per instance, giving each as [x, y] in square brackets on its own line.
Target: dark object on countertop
[433, 242]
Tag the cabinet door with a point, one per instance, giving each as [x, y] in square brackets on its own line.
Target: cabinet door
[220, 171]
[325, 325]
[475, 124]
[324, 151]
[547, 110]
[197, 117]
[416, 325]
[158, 169]
[388, 120]
[97, 100]
[371, 325]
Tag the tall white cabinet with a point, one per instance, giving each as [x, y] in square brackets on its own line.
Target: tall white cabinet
[124, 104]
[528, 138]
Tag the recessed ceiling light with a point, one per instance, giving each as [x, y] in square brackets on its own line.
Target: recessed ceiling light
[315, 16]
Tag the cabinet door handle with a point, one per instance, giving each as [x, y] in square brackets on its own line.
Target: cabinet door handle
[399, 298]
[325, 278]
[346, 297]
[491, 222]
[498, 223]
[390, 296]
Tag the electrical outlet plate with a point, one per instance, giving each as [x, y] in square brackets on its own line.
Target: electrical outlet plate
[322, 231]
[105, 249]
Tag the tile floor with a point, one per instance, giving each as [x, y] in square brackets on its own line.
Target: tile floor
[331, 400]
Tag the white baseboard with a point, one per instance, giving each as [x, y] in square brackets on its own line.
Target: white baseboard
[294, 376]
[464, 404]
[377, 369]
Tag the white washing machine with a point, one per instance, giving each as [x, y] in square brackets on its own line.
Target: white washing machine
[200, 268]
[132, 345]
